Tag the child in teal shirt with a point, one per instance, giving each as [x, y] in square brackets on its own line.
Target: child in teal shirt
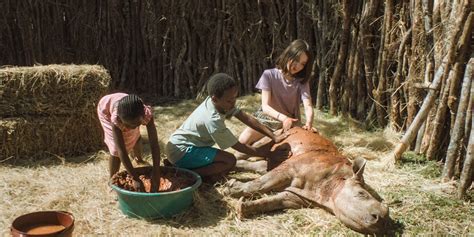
[190, 146]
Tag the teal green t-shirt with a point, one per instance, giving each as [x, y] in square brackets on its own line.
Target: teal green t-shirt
[204, 127]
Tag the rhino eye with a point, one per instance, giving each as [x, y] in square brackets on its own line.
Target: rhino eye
[362, 194]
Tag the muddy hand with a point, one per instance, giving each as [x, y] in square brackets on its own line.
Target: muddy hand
[138, 185]
[281, 152]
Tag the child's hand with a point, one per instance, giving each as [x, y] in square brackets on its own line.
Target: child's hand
[280, 138]
[310, 128]
[138, 185]
[288, 123]
[280, 152]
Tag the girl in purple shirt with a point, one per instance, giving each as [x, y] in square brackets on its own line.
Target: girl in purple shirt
[283, 89]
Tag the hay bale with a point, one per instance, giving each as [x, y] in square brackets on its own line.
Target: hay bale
[51, 89]
[50, 110]
[39, 137]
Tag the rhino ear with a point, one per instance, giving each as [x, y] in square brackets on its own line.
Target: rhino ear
[358, 166]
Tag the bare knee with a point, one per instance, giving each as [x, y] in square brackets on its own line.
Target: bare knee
[227, 159]
[231, 161]
[244, 137]
[249, 136]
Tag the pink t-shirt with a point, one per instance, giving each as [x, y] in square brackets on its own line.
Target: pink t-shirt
[108, 116]
[285, 96]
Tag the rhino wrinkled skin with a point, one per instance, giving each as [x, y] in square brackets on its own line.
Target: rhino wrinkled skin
[316, 175]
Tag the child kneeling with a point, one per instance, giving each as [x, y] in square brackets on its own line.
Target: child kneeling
[190, 146]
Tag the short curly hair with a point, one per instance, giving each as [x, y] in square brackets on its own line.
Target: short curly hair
[130, 107]
[219, 83]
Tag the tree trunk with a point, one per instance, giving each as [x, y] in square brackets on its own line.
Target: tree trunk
[348, 84]
[467, 130]
[322, 52]
[341, 58]
[463, 48]
[467, 173]
[439, 125]
[440, 75]
[368, 15]
[442, 114]
[415, 72]
[395, 113]
[421, 116]
[425, 141]
[380, 94]
[458, 132]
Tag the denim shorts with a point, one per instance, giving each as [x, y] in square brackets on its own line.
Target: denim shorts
[196, 157]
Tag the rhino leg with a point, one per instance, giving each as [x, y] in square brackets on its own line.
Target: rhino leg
[282, 200]
[259, 167]
[271, 181]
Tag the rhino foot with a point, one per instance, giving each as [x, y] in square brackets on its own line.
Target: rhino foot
[233, 188]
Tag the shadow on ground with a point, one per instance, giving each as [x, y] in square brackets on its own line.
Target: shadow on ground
[208, 209]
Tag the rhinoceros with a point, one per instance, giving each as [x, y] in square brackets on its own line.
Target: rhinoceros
[315, 175]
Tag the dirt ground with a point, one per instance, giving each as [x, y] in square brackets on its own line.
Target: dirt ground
[418, 202]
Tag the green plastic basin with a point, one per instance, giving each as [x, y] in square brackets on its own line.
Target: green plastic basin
[158, 205]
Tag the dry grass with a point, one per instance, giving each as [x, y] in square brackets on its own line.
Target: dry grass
[418, 202]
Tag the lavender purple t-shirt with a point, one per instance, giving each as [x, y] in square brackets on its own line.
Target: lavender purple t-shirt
[285, 96]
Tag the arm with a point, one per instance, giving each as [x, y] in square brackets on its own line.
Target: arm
[281, 152]
[309, 113]
[250, 150]
[123, 155]
[267, 109]
[257, 126]
[154, 146]
[155, 154]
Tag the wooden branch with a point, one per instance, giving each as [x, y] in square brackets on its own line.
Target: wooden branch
[368, 15]
[441, 73]
[380, 94]
[395, 97]
[422, 114]
[441, 113]
[467, 173]
[458, 130]
[341, 59]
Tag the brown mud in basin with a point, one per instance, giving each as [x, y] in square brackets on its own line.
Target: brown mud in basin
[171, 180]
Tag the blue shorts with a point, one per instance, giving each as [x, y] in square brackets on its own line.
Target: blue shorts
[197, 157]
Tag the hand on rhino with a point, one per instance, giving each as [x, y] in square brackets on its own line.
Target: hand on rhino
[280, 137]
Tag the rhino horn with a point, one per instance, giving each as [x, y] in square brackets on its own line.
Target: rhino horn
[358, 166]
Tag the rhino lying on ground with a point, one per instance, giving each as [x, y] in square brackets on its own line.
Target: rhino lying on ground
[315, 175]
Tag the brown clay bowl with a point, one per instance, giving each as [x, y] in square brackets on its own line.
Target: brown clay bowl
[43, 223]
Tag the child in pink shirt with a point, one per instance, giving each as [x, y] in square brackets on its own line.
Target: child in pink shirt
[121, 115]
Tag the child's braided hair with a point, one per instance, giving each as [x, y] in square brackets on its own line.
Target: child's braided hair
[130, 107]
